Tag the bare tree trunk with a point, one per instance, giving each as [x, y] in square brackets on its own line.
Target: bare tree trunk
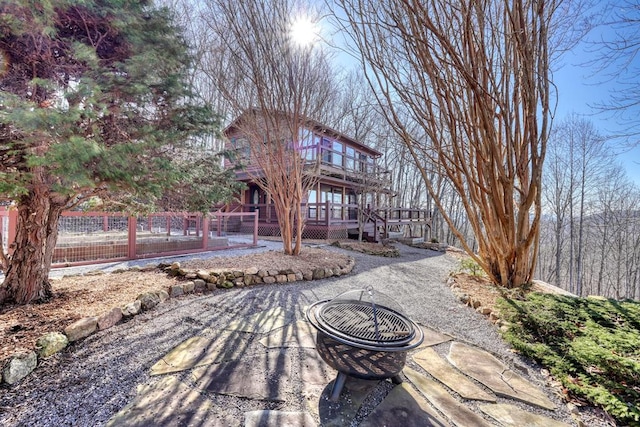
[36, 235]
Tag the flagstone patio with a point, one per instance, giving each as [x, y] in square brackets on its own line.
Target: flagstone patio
[270, 357]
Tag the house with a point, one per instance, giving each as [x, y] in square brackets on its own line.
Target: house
[347, 181]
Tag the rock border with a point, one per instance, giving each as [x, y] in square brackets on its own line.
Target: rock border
[20, 365]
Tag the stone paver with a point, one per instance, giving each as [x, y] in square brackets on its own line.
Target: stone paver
[168, 403]
[455, 411]
[298, 334]
[313, 370]
[444, 372]
[405, 407]
[485, 368]
[432, 337]
[200, 351]
[263, 376]
[261, 323]
[278, 419]
[510, 415]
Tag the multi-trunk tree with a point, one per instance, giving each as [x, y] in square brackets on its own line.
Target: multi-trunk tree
[466, 85]
[276, 86]
[94, 102]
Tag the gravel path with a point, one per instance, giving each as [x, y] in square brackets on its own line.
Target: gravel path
[87, 384]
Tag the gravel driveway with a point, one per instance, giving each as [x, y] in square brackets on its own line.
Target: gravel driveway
[94, 379]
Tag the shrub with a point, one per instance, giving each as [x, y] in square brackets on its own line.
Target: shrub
[468, 265]
[591, 346]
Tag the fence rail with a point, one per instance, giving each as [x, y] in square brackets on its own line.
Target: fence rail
[94, 237]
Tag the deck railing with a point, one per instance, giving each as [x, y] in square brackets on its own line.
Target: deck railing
[328, 213]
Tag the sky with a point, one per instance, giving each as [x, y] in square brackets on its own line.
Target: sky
[581, 87]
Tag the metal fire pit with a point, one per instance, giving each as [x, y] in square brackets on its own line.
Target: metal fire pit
[362, 336]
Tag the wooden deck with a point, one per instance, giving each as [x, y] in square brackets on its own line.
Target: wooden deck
[340, 221]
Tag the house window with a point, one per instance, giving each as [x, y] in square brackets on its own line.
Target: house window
[326, 151]
[337, 154]
[350, 158]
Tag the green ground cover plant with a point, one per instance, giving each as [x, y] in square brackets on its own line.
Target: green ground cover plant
[591, 345]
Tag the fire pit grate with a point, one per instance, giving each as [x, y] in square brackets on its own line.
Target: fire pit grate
[364, 323]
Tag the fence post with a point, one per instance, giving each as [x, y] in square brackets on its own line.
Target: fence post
[131, 237]
[255, 229]
[205, 231]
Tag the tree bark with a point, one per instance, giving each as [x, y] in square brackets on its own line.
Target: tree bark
[27, 277]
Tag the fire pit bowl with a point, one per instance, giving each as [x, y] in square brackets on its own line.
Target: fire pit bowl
[363, 336]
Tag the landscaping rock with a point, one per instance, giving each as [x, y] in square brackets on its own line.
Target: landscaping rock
[110, 318]
[81, 329]
[19, 366]
[176, 290]
[307, 275]
[188, 287]
[132, 308]
[175, 266]
[51, 343]
[291, 277]
[318, 273]
[148, 300]
[163, 295]
[211, 286]
[200, 285]
[251, 271]
[227, 284]
[281, 278]
[204, 275]
[269, 279]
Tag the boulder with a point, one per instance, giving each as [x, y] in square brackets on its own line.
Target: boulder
[81, 328]
[175, 266]
[19, 366]
[132, 308]
[51, 343]
[148, 300]
[110, 318]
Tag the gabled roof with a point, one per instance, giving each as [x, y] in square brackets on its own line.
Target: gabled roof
[313, 125]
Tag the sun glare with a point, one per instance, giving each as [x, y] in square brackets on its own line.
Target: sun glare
[304, 32]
